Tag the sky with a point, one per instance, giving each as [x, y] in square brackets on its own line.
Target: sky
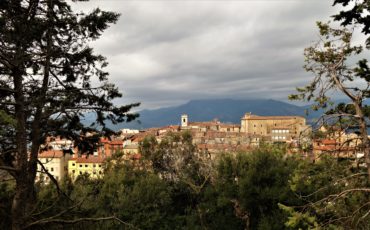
[165, 53]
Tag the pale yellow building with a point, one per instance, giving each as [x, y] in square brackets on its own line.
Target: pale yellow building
[276, 128]
[92, 165]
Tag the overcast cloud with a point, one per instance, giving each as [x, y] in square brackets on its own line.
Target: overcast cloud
[164, 53]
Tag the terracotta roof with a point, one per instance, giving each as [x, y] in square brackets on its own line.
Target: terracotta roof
[89, 159]
[116, 142]
[51, 154]
[229, 125]
[170, 127]
[333, 148]
[206, 123]
[104, 140]
[328, 142]
[255, 117]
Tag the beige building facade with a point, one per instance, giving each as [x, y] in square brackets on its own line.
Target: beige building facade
[276, 128]
[55, 162]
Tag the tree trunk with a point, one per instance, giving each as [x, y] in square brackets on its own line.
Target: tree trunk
[24, 190]
[364, 136]
[22, 202]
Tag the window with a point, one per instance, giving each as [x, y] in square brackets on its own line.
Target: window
[94, 165]
[100, 172]
[73, 164]
[85, 166]
[73, 171]
[52, 169]
[254, 125]
[261, 125]
[80, 165]
[56, 177]
[100, 166]
[80, 173]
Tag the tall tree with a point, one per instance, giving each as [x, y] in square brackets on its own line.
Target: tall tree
[49, 77]
[332, 61]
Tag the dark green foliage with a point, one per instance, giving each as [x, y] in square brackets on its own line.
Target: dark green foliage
[357, 14]
[176, 158]
[334, 194]
[49, 51]
[262, 189]
[258, 181]
[137, 197]
[6, 196]
[49, 77]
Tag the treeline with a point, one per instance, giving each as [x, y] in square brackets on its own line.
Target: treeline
[175, 187]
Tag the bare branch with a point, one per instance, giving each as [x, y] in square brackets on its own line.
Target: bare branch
[8, 168]
[55, 182]
[75, 221]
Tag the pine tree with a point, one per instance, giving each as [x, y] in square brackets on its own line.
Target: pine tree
[49, 77]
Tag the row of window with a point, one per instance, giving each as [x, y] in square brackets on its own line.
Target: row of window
[279, 131]
[51, 169]
[256, 125]
[261, 125]
[94, 165]
[94, 172]
[278, 137]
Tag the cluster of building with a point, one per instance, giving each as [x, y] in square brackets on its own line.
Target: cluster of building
[337, 142]
[212, 136]
[60, 158]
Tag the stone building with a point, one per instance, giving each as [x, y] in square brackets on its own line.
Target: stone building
[274, 128]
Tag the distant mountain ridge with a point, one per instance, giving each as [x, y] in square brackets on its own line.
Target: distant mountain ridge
[225, 110]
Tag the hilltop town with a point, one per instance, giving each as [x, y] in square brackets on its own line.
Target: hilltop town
[93, 134]
[62, 158]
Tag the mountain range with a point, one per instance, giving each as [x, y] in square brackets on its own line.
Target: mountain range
[225, 110]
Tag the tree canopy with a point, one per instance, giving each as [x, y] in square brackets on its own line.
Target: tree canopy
[50, 77]
[338, 65]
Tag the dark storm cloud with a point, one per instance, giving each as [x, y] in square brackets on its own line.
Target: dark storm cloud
[164, 53]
